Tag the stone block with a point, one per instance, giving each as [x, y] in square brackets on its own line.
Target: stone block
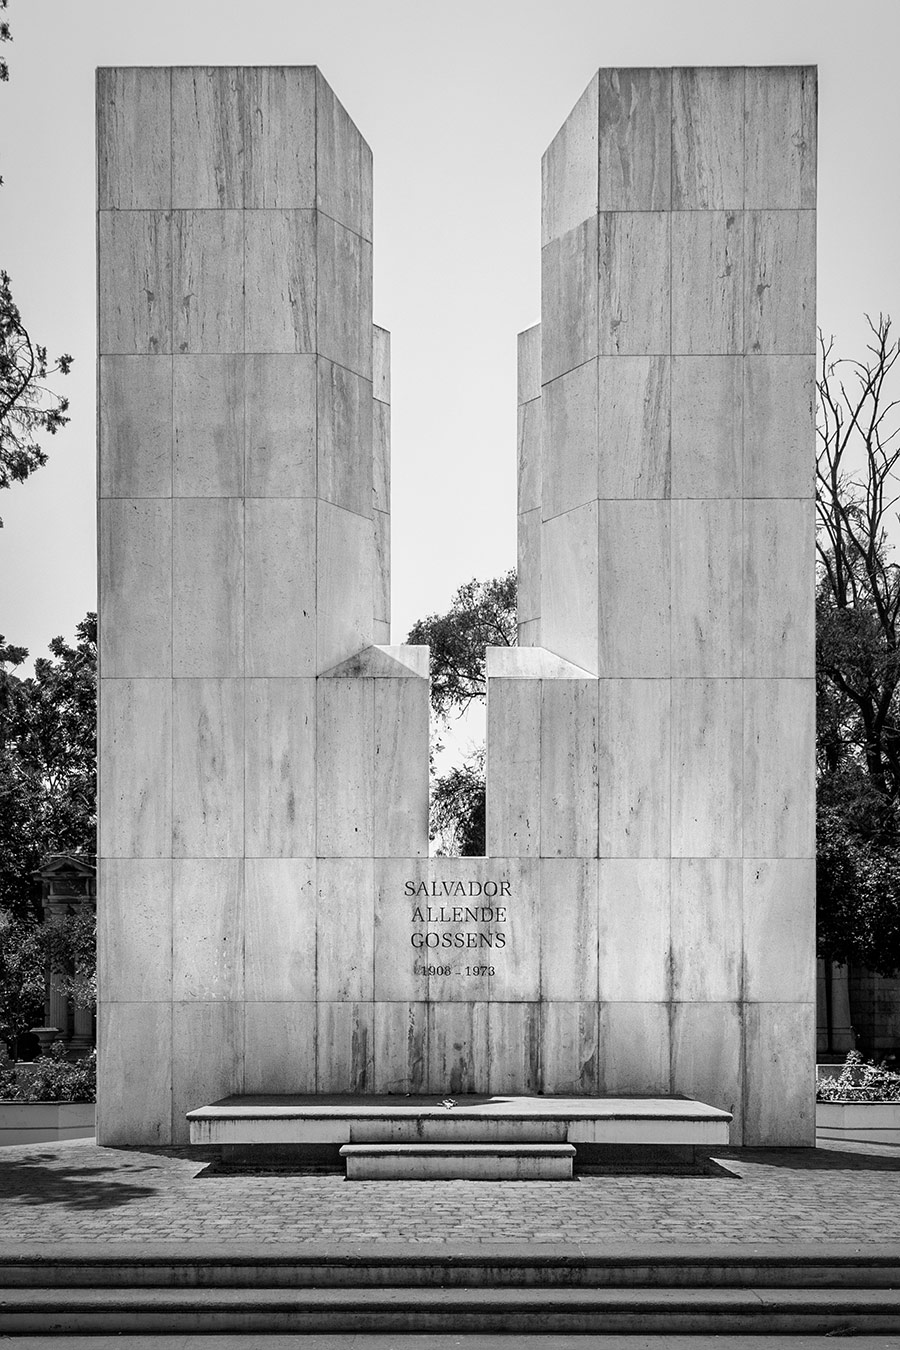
[207, 768]
[345, 769]
[345, 572]
[345, 920]
[569, 1043]
[208, 417]
[706, 929]
[134, 929]
[280, 281]
[569, 169]
[401, 1047]
[633, 584]
[208, 281]
[633, 1051]
[135, 273]
[445, 913]
[279, 937]
[779, 929]
[514, 767]
[458, 1048]
[708, 416]
[517, 966]
[779, 581]
[400, 775]
[569, 441]
[279, 136]
[528, 444]
[381, 455]
[780, 282]
[134, 1073]
[280, 586]
[529, 633]
[208, 929]
[780, 137]
[381, 598]
[779, 1090]
[135, 548]
[381, 365]
[706, 1057]
[280, 768]
[528, 364]
[345, 470]
[568, 928]
[135, 409]
[348, 1030]
[134, 131]
[514, 1039]
[280, 425]
[381, 632]
[207, 1058]
[779, 426]
[634, 930]
[706, 587]
[207, 136]
[708, 138]
[280, 1047]
[634, 735]
[569, 768]
[634, 292]
[569, 300]
[706, 768]
[400, 965]
[343, 165]
[528, 551]
[344, 296]
[633, 414]
[707, 296]
[779, 758]
[635, 140]
[208, 586]
[134, 769]
[569, 580]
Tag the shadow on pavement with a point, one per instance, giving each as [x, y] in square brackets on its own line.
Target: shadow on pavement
[33, 1182]
[823, 1158]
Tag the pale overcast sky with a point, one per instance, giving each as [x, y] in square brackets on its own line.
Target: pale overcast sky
[457, 101]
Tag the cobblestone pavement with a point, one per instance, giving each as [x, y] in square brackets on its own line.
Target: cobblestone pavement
[72, 1191]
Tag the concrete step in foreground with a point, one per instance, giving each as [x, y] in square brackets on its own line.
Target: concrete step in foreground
[461, 1162]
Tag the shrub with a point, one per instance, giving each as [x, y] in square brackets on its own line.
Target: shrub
[860, 1082]
[52, 1078]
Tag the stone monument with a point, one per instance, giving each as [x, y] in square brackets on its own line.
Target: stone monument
[270, 921]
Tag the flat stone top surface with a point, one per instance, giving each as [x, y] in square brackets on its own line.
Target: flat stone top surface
[508, 1108]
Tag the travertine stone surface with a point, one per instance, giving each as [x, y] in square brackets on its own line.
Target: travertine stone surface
[207, 294]
[279, 136]
[134, 134]
[207, 768]
[708, 138]
[280, 264]
[208, 620]
[706, 587]
[207, 137]
[140, 1112]
[279, 1047]
[708, 430]
[633, 291]
[707, 302]
[569, 434]
[780, 170]
[134, 935]
[207, 929]
[136, 426]
[706, 768]
[633, 427]
[635, 115]
[135, 318]
[135, 547]
[569, 300]
[279, 768]
[634, 749]
[280, 585]
[135, 769]
[279, 894]
[569, 169]
[207, 414]
[634, 898]
[280, 425]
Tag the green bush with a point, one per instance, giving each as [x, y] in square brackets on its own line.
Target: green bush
[52, 1078]
[860, 1082]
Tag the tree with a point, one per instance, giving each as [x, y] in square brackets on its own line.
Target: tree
[22, 978]
[482, 614]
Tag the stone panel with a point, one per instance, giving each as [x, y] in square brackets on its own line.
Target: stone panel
[343, 165]
[135, 547]
[779, 426]
[381, 596]
[280, 903]
[779, 756]
[458, 1056]
[517, 967]
[514, 1037]
[706, 1057]
[134, 129]
[401, 1047]
[381, 368]
[280, 267]
[347, 1029]
[634, 725]
[634, 291]
[201, 1078]
[345, 769]
[706, 768]
[400, 774]
[207, 136]
[780, 138]
[381, 455]
[779, 929]
[634, 930]
[707, 423]
[135, 743]
[208, 417]
[780, 282]
[279, 136]
[706, 282]
[634, 1049]
[345, 921]
[569, 1041]
[135, 271]
[280, 1047]
[528, 476]
[635, 140]
[633, 426]
[568, 919]
[528, 552]
[207, 287]
[569, 169]
[569, 579]
[569, 437]
[569, 301]
[779, 1095]
[208, 586]
[139, 1111]
[398, 967]
[569, 768]
[134, 929]
[514, 768]
[706, 929]
[528, 364]
[708, 138]
[706, 587]
[779, 611]
[280, 425]
[345, 571]
[280, 586]
[633, 584]
[207, 929]
[344, 296]
[135, 410]
[344, 438]
[208, 768]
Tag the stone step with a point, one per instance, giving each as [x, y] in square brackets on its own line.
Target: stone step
[687, 1311]
[461, 1162]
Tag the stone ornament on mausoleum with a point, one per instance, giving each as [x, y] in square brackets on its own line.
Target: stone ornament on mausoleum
[269, 918]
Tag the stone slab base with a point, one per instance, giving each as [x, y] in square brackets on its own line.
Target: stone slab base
[467, 1162]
